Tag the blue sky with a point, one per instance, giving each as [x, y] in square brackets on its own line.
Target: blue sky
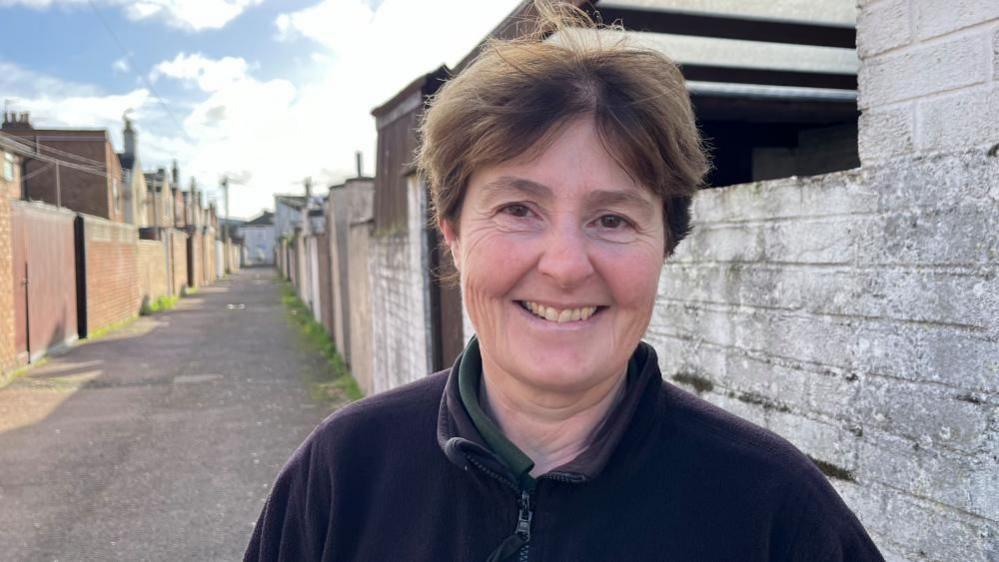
[267, 91]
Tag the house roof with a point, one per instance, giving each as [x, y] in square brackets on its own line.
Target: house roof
[295, 201]
[265, 219]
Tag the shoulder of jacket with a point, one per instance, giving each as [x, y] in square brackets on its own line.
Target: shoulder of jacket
[401, 409]
[720, 432]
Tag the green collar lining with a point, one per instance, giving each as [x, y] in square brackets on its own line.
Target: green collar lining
[469, 379]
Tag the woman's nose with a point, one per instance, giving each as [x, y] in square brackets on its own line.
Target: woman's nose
[565, 257]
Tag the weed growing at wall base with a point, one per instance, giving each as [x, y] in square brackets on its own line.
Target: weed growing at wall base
[336, 386]
[159, 305]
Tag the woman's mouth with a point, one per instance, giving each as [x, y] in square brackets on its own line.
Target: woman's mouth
[560, 315]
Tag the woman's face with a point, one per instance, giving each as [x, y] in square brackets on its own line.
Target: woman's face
[559, 259]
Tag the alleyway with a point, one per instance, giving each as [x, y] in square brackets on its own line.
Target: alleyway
[158, 441]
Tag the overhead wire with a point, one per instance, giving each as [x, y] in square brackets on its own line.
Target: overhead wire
[7, 142]
[148, 84]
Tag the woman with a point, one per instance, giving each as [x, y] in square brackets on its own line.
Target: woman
[561, 175]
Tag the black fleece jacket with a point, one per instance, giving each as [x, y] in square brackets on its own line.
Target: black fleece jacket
[403, 475]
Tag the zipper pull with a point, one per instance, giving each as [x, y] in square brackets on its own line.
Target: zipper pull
[524, 517]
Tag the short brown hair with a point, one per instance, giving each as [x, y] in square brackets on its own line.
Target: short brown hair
[518, 93]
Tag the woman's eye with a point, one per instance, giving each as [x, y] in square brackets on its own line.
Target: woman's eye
[517, 210]
[611, 221]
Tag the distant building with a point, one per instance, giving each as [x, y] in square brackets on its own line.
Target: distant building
[89, 182]
[133, 180]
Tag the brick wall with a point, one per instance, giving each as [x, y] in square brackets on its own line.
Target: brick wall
[112, 272]
[178, 260]
[856, 316]
[7, 353]
[399, 325]
[928, 78]
[208, 258]
[359, 282]
[196, 246]
[152, 270]
[857, 313]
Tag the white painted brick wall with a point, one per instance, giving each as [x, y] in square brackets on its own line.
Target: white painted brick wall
[943, 65]
[859, 319]
[928, 80]
[932, 18]
[399, 303]
[894, 28]
[399, 329]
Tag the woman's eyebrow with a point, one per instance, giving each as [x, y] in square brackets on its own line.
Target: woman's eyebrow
[612, 197]
[503, 184]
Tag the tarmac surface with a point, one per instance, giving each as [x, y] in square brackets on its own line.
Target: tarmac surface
[161, 440]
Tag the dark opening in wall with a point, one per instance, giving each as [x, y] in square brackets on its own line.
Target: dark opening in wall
[776, 132]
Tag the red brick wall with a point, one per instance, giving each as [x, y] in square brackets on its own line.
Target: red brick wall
[80, 191]
[152, 270]
[6, 282]
[112, 272]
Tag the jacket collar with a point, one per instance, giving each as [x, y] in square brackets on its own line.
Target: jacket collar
[465, 447]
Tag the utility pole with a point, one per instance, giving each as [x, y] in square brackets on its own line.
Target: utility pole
[225, 223]
[225, 194]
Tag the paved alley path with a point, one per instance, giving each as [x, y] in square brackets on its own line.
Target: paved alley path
[159, 441]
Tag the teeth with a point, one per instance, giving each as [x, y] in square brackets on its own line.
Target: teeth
[560, 316]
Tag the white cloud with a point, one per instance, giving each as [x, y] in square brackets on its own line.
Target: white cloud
[271, 133]
[121, 65]
[196, 15]
[193, 15]
[56, 103]
[209, 75]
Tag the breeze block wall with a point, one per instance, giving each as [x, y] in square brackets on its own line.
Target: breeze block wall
[112, 272]
[857, 313]
[152, 270]
[399, 324]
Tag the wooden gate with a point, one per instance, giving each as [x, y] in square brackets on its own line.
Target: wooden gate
[44, 267]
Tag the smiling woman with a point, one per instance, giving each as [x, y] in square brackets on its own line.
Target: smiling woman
[561, 176]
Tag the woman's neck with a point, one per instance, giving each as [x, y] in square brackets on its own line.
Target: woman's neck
[551, 428]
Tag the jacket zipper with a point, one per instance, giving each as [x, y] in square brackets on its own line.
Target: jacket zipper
[525, 513]
[525, 516]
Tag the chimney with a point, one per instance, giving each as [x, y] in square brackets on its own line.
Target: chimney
[308, 190]
[360, 163]
[175, 173]
[16, 121]
[128, 135]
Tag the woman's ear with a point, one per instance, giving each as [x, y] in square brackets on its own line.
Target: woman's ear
[451, 240]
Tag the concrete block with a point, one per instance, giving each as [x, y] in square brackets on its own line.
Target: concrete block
[727, 243]
[882, 26]
[932, 17]
[820, 440]
[815, 241]
[995, 55]
[813, 196]
[929, 531]
[886, 133]
[963, 360]
[964, 119]
[922, 413]
[922, 70]
[935, 180]
[965, 235]
[917, 470]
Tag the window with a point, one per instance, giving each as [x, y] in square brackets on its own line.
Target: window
[8, 166]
